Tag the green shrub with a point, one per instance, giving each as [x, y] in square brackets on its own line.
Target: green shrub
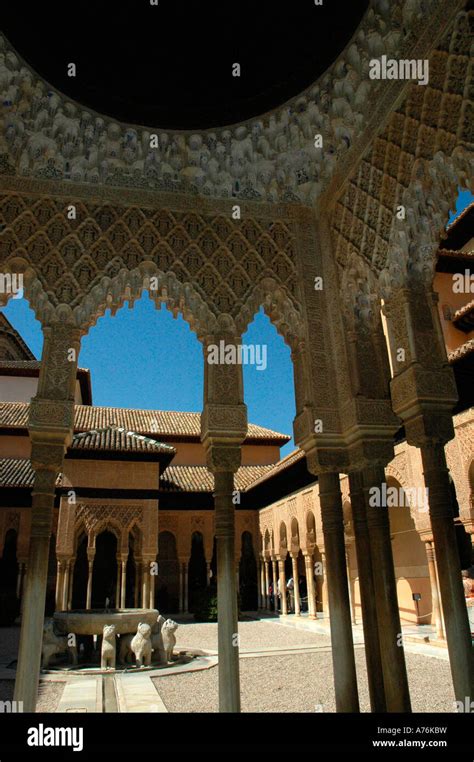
[205, 605]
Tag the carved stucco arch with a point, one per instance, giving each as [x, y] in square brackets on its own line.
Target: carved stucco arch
[282, 538]
[295, 540]
[396, 475]
[109, 525]
[413, 243]
[278, 307]
[310, 530]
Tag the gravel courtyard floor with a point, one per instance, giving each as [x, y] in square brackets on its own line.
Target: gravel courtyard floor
[296, 683]
[301, 682]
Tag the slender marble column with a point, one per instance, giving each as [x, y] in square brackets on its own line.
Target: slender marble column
[29, 653]
[310, 586]
[124, 584]
[50, 425]
[296, 589]
[145, 584]
[228, 644]
[324, 586]
[275, 579]
[267, 603]
[395, 678]
[345, 679]
[186, 587]
[65, 591]
[282, 578]
[261, 585]
[456, 623]
[59, 585]
[90, 564]
[181, 587]
[118, 585]
[435, 606]
[367, 594]
[71, 583]
[349, 581]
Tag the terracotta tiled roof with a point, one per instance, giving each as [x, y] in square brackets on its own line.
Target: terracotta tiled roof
[463, 351]
[118, 439]
[17, 472]
[200, 479]
[155, 423]
[286, 462]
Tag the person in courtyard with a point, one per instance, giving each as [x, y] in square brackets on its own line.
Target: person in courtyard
[290, 591]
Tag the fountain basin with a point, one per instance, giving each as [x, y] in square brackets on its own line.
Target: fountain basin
[91, 622]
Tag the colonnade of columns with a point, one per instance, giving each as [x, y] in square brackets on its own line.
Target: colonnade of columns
[428, 426]
[266, 576]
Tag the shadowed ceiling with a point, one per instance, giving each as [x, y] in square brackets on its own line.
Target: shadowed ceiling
[170, 65]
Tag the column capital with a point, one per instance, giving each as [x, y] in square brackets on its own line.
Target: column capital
[223, 458]
[47, 460]
[223, 424]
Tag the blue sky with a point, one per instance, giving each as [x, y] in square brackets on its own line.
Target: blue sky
[144, 358]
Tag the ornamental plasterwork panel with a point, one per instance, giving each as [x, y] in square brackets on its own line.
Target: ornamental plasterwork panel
[418, 160]
[215, 270]
[43, 134]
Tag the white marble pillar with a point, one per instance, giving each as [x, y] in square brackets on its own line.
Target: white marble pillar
[90, 564]
[282, 578]
[186, 591]
[310, 586]
[59, 585]
[435, 603]
[65, 589]
[275, 581]
[123, 590]
[267, 602]
[296, 588]
[71, 584]
[181, 587]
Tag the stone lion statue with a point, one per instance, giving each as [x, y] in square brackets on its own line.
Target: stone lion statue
[54, 644]
[141, 645]
[107, 654]
[169, 638]
[157, 639]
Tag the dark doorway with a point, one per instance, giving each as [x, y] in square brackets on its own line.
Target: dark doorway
[9, 564]
[81, 572]
[167, 581]
[196, 569]
[248, 575]
[104, 578]
[131, 574]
